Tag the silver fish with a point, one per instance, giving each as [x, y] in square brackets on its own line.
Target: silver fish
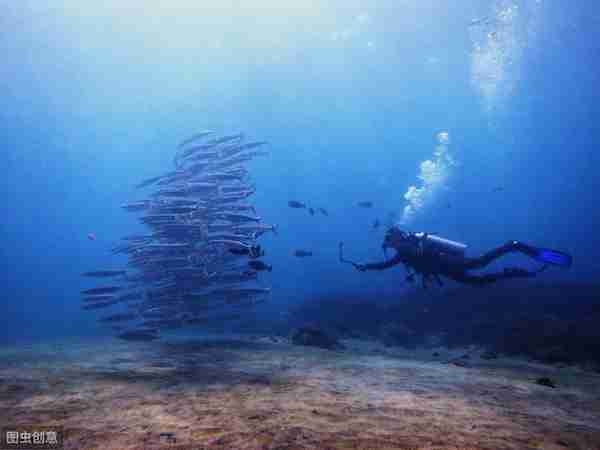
[138, 335]
[120, 317]
[148, 182]
[195, 137]
[99, 305]
[102, 290]
[104, 273]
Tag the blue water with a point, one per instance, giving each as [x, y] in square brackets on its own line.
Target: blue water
[351, 97]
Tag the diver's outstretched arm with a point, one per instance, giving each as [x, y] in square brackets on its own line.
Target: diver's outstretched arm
[373, 266]
[397, 259]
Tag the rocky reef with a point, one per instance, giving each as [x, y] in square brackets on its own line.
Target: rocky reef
[549, 322]
[315, 337]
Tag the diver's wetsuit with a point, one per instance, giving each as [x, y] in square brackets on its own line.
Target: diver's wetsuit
[453, 267]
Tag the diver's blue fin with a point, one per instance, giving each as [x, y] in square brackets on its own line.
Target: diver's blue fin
[555, 257]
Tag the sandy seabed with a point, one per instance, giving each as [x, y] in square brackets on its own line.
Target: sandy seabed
[249, 392]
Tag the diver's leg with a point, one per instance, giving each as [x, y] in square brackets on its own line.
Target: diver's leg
[486, 258]
[474, 280]
[489, 278]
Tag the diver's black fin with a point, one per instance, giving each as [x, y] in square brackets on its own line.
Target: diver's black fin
[544, 255]
[555, 257]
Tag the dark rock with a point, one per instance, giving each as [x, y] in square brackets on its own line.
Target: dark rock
[489, 355]
[553, 354]
[399, 334]
[545, 381]
[345, 332]
[315, 337]
[459, 363]
[169, 437]
[13, 388]
[555, 322]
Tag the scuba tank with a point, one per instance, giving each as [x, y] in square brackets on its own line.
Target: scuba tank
[430, 243]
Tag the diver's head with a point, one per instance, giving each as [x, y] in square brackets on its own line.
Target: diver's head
[394, 237]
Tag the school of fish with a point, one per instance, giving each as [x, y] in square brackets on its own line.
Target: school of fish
[199, 259]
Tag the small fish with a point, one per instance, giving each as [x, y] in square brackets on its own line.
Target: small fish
[296, 204]
[311, 211]
[239, 251]
[104, 273]
[302, 253]
[480, 21]
[237, 217]
[138, 335]
[194, 137]
[197, 320]
[228, 138]
[260, 266]
[376, 224]
[91, 236]
[135, 295]
[99, 305]
[148, 182]
[120, 317]
[168, 324]
[136, 206]
[99, 298]
[365, 204]
[137, 237]
[323, 211]
[498, 189]
[256, 252]
[101, 290]
[259, 229]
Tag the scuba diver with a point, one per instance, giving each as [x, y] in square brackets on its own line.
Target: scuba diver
[432, 256]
